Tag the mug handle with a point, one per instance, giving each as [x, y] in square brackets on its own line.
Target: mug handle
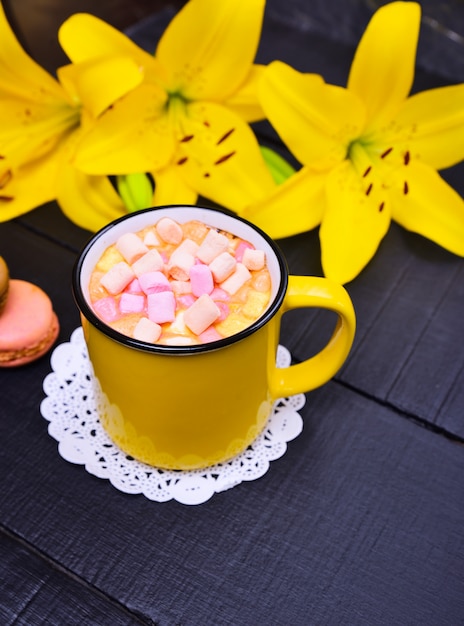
[312, 292]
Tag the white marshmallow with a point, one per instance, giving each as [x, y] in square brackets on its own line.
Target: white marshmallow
[212, 245]
[222, 266]
[236, 280]
[117, 277]
[146, 330]
[253, 259]
[169, 230]
[201, 314]
[152, 261]
[131, 247]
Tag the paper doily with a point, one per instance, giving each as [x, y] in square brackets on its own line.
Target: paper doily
[70, 408]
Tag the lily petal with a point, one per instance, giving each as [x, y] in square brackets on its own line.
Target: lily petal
[353, 226]
[170, 188]
[19, 74]
[310, 115]
[431, 208]
[382, 71]
[436, 118]
[84, 37]
[89, 201]
[222, 160]
[209, 47]
[100, 82]
[245, 101]
[297, 205]
[29, 187]
[134, 136]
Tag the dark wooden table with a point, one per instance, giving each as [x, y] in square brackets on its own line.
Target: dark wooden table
[360, 522]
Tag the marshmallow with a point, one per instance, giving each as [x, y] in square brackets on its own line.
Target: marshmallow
[131, 303]
[151, 239]
[180, 263]
[131, 247]
[225, 310]
[146, 330]
[209, 335]
[201, 314]
[261, 281]
[240, 249]
[236, 280]
[222, 266]
[152, 261]
[188, 245]
[220, 294]
[212, 245]
[154, 282]
[117, 278]
[106, 309]
[181, 287]
[185, 300]
[161, 307]
[169, 230]
[133, 286]
[201, 279]
[254, 259]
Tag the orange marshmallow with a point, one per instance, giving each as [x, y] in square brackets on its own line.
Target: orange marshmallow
[152, 261]
[212, 245]
[222, 266]
[201, 314]
[253, 259]
[117, 278]
[146, 330]
[131, 247]
[236, 280]
[169, 230]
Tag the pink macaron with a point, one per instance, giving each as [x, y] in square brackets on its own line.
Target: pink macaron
[28, 325]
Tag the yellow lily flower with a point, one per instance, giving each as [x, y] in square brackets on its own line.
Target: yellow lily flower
[187, 124]
[370, 153]
[41, 118]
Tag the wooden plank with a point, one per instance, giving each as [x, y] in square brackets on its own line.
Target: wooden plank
[34, 591]
[358, 523]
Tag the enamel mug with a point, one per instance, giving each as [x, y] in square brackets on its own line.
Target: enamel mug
[188, 407]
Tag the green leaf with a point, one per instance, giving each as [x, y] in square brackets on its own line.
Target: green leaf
[135, 190]
[280, 169]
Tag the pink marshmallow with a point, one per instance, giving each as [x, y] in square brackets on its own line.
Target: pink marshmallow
[186, 300]
[201, 314]
[240, 249]
[219, 294]
[254, 259]
[131, 247]
[133, 286]
[169, 230]
[106, 309]
[146, 330]
[212, 245]
[236, 280]
[131, 303]
[161, 307]
[117, 278]
[222, 266]
[209, 335]
[225, 310]
[154, 282]
[201, 279]
[152, 261]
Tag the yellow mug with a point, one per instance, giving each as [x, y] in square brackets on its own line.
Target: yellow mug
[188, 407]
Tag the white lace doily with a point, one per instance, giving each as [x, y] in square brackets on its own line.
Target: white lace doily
[70, 408]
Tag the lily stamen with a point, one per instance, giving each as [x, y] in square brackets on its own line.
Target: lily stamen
[224, 158]
[407, 157]
[386, 153]
[368, 190]
[224, 137]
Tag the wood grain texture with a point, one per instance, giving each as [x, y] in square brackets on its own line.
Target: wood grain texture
[360, 522]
